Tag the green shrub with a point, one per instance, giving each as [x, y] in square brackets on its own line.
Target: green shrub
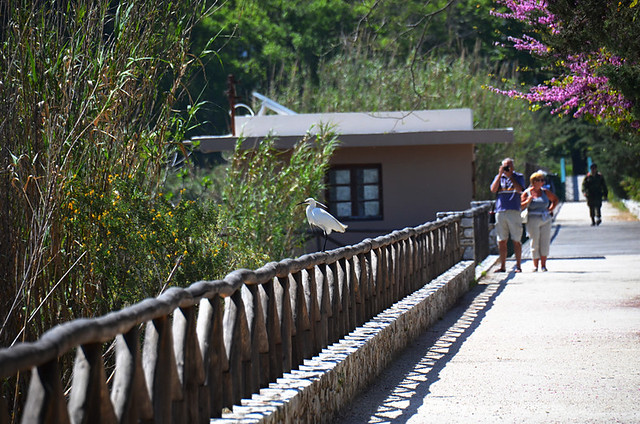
[138, 243]
[631, 187]
[261, 190]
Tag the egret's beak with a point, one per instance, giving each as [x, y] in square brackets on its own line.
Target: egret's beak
[301, 203]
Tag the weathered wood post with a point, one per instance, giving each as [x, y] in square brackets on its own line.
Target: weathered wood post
[89, 401]
[273, 319]
[210, 336]
[160, 368]
[190, 367]
[45, 399]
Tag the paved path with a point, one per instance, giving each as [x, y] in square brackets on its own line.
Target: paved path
[555, 347]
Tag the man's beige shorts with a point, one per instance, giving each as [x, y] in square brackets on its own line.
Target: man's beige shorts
[509, 222]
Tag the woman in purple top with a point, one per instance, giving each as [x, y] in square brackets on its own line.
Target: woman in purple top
[508, 184]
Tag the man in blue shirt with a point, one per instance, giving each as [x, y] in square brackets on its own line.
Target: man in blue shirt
[508, 185]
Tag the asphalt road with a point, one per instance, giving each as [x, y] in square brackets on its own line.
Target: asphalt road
[555, 347]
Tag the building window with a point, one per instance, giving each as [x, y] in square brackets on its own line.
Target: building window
[355, 192]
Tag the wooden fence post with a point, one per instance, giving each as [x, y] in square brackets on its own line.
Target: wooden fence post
[89, 401]
[160, 370]
[258, 336]
[45, 400]
[313, 307]
[324, 304]
[334, 302]
[359, 288]
[235, 341]
[190, 368]
[343, 290]
[286, 323]
[274, 331]
[302, 340]
[210, 336]
[129, 393]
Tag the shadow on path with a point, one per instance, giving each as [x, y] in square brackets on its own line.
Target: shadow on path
[401, 388]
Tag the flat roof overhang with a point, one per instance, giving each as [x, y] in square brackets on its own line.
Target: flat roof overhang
[210, 144]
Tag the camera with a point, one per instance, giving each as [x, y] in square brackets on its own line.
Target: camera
[505, 169]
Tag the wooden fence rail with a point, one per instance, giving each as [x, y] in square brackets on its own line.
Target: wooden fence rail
[191, 352]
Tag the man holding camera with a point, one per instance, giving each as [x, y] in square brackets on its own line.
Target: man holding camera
[508, 185]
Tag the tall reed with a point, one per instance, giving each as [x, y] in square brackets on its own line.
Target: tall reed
[259, 213]
[87, 90]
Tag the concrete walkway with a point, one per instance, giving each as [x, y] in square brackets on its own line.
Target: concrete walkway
[555, 347]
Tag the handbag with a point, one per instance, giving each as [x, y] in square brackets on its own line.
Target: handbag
[524, 214]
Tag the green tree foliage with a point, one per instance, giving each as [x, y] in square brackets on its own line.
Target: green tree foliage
[257, 40]
[331, 56]
[444, 27]
[592, 25]
[271, 47]
[591, 51]
[134, 244]
[264, 42]
[618, 157]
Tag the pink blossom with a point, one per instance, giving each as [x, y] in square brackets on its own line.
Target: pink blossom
[578, 89]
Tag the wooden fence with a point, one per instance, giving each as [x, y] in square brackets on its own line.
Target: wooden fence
[191, 352]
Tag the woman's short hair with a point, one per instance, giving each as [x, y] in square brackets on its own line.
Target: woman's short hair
[537, 175]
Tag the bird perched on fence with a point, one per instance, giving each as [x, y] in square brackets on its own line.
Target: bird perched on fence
[322, 219]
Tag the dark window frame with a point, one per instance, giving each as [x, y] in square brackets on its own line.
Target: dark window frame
[354, 190]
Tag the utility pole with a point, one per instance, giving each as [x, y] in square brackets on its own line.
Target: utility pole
[231, 94]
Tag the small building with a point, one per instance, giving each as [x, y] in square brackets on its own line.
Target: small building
[391, 170]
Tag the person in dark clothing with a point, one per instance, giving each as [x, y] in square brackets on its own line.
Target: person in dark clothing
[594, 189]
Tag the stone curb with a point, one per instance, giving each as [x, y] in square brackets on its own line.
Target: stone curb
[632, 206]
[325, 384]
[483, 267]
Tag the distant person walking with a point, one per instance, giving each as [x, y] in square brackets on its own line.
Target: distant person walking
[509, 185]
[540, 202]
[594, 189]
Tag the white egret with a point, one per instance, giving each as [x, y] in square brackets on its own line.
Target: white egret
[322, 219]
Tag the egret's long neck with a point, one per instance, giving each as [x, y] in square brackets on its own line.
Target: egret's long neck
[308, 211]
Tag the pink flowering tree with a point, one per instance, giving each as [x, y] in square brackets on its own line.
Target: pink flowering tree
[582, 63]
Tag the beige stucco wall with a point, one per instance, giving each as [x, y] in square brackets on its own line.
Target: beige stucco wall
[417, 182]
